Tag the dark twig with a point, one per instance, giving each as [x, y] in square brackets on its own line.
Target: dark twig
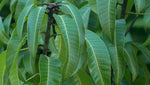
[131, 25]
[124, 6]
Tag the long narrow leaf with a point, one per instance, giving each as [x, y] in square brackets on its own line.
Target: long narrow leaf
[34, 22]
[71, 36]
[50, 70]
[139, 5]
[2, 3]
[2, 66]
[98, 59]
[22, 19]
[118, 51]
[107, 16]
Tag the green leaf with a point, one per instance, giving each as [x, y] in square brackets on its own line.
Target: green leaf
[131, 61]
[82, 78]
[13, 48]
[61, 47]
[117, 53]
[85, 12]
[2, 66]
[71, 37]
[145, 51]
[93, 5]
[139, 5]
[99, 62]
[33, 23]
[3, 36]
[21, 4]
[3, 2]
[7, 22]
[50, 70]
[107, 17]
[147, 41]
[22, 19]
[12, 5]
[75, 13]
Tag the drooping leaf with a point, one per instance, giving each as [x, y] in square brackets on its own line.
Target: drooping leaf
[34, 22]
[3, 36]
[13, 49]
[71, 37]
[61, 47]
[117, 52]
[50, 70]
[145, 51]
[131, 61]
[7, 22]
[2, 3]
[99, 63]
[2, 66]
[139, 5]
[75, 13]
[22, 19]
[85, 12]
[93, 5]
[21, 4]
[107, 17]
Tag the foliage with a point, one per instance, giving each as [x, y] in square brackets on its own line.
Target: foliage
[76, 42]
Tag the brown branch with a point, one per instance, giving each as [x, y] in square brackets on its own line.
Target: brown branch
[131, 25]
[124, 6]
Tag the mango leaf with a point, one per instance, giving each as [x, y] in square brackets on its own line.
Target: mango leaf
[93, 5]
[7, 22]
[50, 70]
[145, 51]
[75, 13]
[107, 17]
[99, 62]
[131, 61]
[3, 36]
[85, 12]
[117, 52]
[71, 37]
[33, 23]
[139, 5]
[81, 78]
[21, 4]
[22, 19]
[61, 47]
[2, 66]
[3, 2]
[13, 49]
[12, 5]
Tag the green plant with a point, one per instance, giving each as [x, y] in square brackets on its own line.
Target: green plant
[74, 42]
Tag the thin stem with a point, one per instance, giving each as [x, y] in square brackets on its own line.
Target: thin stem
[32, 77]
[24, 49]
[137, 13]
[124, 6]
[131, 25]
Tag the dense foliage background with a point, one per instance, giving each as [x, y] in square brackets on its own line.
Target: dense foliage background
[92, 42]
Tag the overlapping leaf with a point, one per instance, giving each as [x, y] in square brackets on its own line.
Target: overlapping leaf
[2, 66]
[2, 3]
[85, 12]
[139, 5]
[131, 61]
[117, 52]
[3, 36]
[71, 37]
[74, 12]
[99, 62]
[50, 70]
[34, 22]
[22, 19]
